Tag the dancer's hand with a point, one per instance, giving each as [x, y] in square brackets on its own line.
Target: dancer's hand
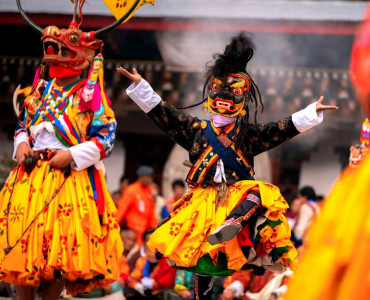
[61, 159]
[23, 151]
[134, 76]
[321, 107]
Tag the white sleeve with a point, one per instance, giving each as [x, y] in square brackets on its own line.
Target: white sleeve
[307, 118]
[85, 155]
[20, 138]
[237, 287]
[143, 95]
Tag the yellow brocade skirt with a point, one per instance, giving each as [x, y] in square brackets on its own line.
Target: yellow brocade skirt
[67, 241]
[183, 239]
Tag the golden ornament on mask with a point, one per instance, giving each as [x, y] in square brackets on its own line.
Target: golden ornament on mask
[203, 124]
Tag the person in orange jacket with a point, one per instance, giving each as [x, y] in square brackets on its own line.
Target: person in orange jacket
[136, 206]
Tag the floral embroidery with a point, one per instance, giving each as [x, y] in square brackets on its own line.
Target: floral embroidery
[8, 188]
[112, 221]
[191, 251]
[16, 213]
[190, 230]
[2, 225]
[175, 228]
[96, 241]
[64, 210]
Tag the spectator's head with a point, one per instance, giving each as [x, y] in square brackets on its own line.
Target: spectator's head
[145, 175]
[129, 238]
[116, 196]
[124, 182]
[178, 187]
[307, 192]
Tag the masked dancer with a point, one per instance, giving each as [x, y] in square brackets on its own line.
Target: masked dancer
[57, 217]
[228, 221]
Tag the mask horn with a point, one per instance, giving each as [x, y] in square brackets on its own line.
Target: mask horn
[104, 30]
[28, 20]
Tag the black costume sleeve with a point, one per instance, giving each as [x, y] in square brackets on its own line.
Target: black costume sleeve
[179, 127]
[263, 137]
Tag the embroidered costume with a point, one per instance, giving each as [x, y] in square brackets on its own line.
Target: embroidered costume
[60, 223]
[228, 221]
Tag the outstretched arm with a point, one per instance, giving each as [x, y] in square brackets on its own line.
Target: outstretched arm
[179, 127]
[263, 137]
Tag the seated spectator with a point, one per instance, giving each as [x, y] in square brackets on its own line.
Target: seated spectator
[136, 206]
[178, 188]
[307, 211]
[150, 278]
[140, 252]
[129, 238]
[246, 283]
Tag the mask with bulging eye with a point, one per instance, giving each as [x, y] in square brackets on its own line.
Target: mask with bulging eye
[70, 48]
[228, 94]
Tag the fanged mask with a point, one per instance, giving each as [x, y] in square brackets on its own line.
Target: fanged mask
[71, 48]
[227, 96]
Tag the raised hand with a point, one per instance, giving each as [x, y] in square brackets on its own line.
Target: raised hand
[321, 107]
[134, 76]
